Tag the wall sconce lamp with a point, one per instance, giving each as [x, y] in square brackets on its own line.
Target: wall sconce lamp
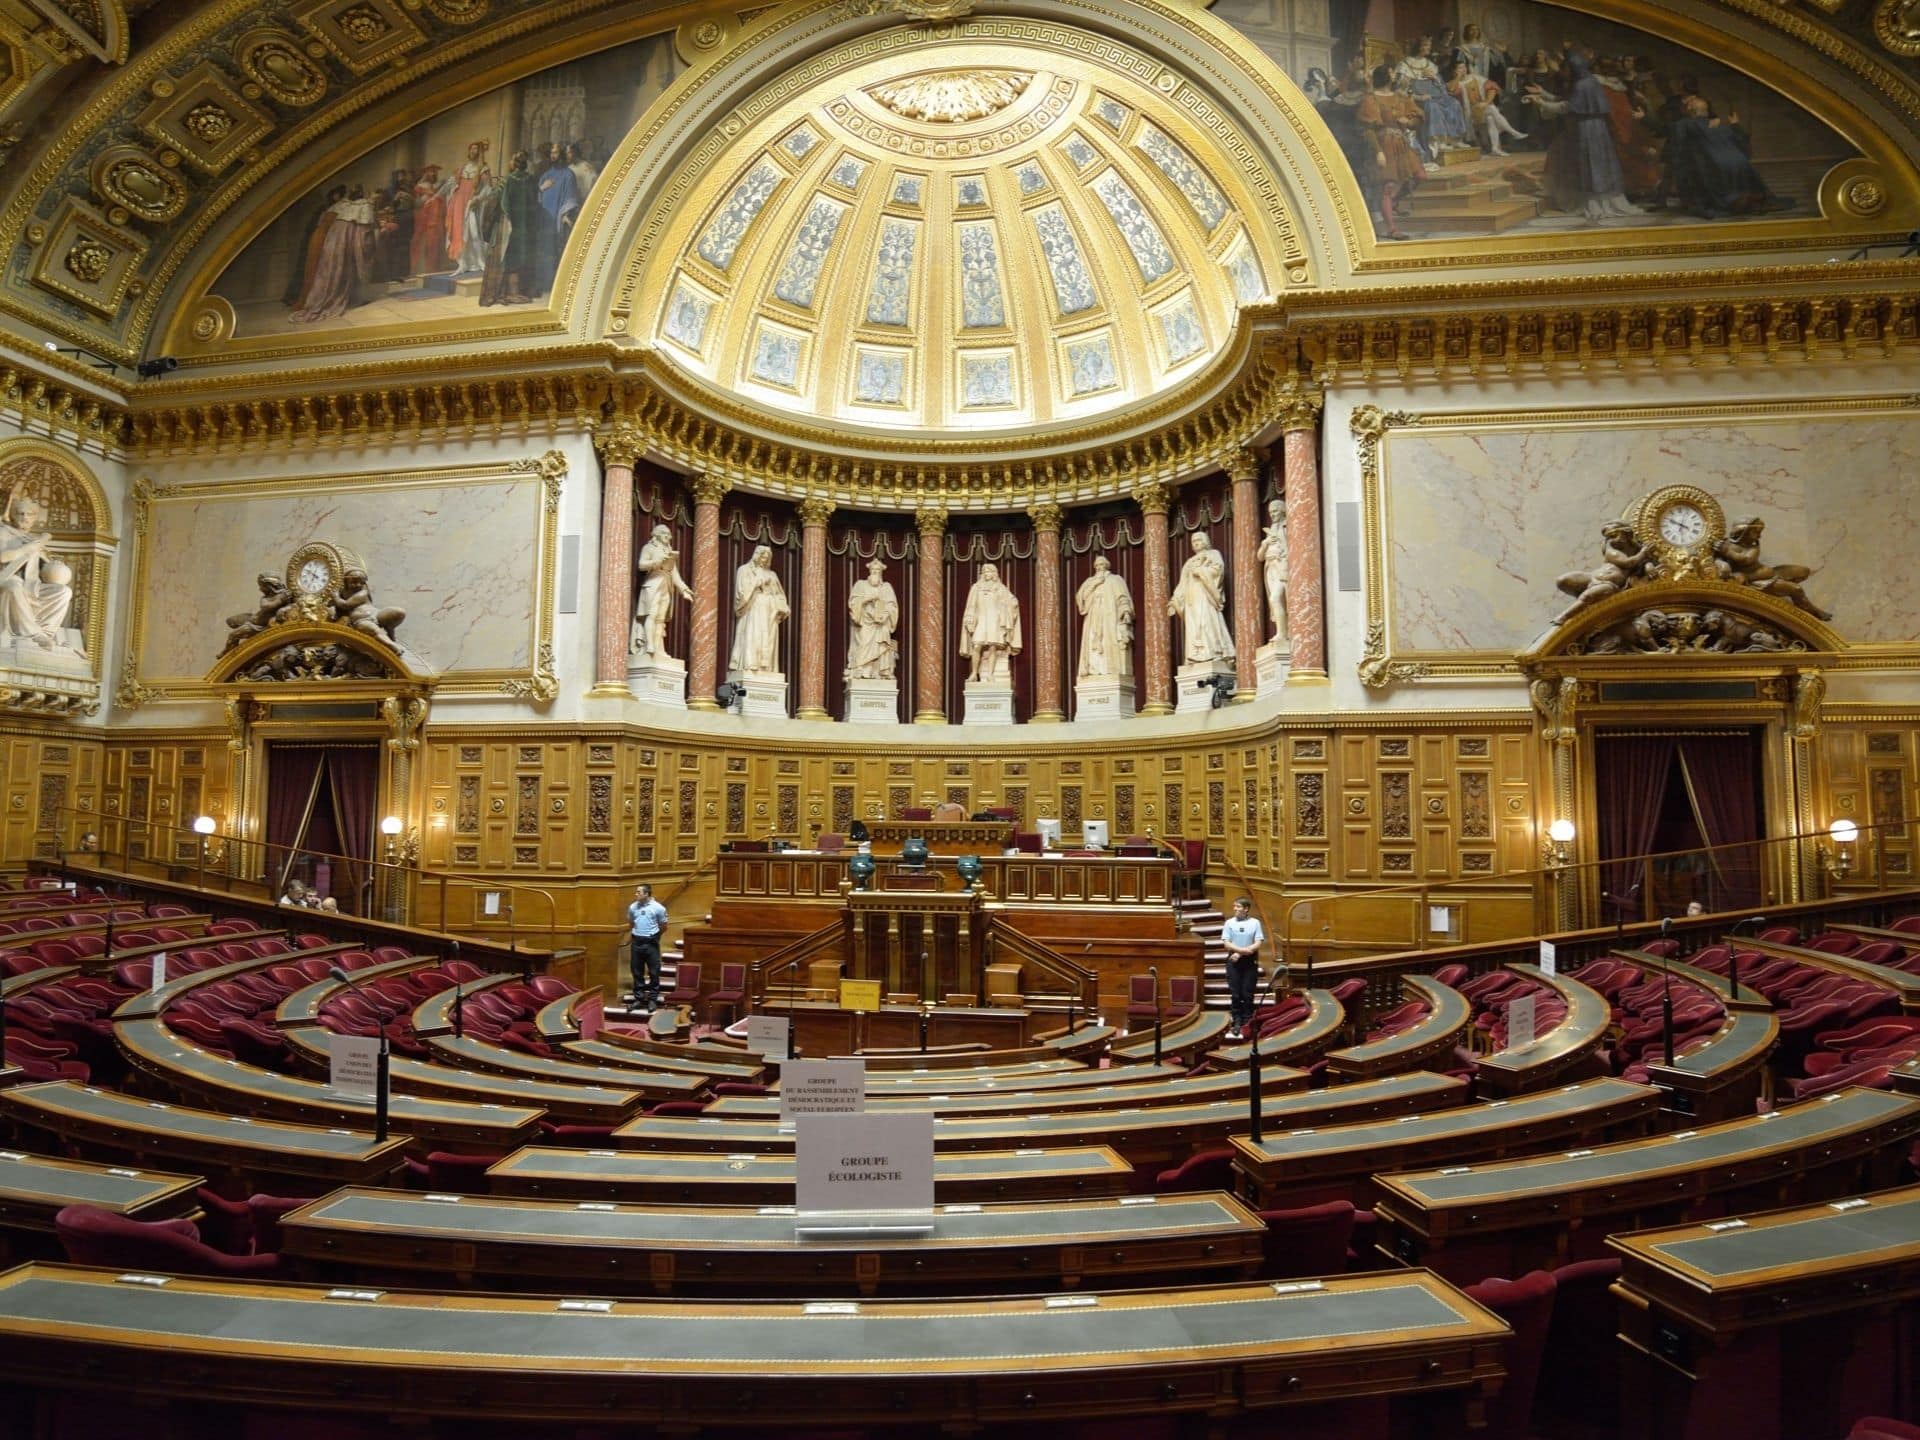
[1837, 862]
[1560, 844]
[204, 826]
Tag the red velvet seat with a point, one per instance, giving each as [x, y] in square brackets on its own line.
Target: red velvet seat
[1142, 1002]
[686, 984]
[730, 995]
[1210, 1169]
[97, 1237]
[1312, 1240]
[1880, 1427]
[1527, 1305]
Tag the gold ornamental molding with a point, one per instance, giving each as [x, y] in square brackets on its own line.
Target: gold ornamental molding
[536, 682]
[1383, 663]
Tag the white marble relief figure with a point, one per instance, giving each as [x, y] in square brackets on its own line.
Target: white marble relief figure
[36, 588]
[1106, 632]
[872, 651]
[1272, 555]
[990, 628]
[660, 585]
[1200, 601]
[759, 605]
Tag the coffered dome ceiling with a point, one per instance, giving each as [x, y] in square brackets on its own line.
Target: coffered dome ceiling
[968, 238]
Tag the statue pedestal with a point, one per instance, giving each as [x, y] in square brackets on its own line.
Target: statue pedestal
[765, 697]
[1188, 694]
[1104, 697]
[1271, 662]
[872, 702]
[660, 682]
[988, 703]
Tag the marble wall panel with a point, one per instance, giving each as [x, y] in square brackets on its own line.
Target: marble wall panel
[1479, 525]
[460, 558]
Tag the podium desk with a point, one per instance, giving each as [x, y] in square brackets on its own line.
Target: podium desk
[943, 837]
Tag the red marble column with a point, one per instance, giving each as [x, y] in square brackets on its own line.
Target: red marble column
[813, 608]
[620, 444]
[1047, 707]
[1154, 623]
[1247, 586]
[1306, 597]
[703, 660]
[930, 621]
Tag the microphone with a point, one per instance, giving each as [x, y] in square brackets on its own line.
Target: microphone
[1666, 998]
[382, 1078]
[1758, 922]
[459, 999]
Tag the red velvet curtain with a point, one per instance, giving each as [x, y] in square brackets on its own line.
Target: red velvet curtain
[353, 774]
[1723, 783]
[291, 773]
[1630, 777]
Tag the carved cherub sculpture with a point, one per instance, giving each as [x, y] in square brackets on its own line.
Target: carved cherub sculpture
[1738, 558]
[274, 598]
[1622, 563]
[355, 607]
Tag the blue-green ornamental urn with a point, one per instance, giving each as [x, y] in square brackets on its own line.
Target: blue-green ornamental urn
[969, 868]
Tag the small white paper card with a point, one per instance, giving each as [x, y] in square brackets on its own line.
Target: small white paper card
[864, 1162]
[490, 903]
[159, 971]
[1520, 1022]
[1547, 957]
[354, 1064]
[822, 1087]
[1439, 920]
[767, 1034]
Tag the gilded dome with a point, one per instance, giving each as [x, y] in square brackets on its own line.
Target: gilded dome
[980, 238]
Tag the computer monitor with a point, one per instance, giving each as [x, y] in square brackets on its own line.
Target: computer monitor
[1049, 833]
[1093, 834]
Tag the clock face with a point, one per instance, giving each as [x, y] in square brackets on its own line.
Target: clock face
[1682, 525]
[314, 577]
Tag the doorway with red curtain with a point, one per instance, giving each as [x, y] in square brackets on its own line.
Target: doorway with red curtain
[323, 801]
[1657, 792]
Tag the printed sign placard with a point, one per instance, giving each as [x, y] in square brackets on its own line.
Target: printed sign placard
[861, 995]
[822, 1087]
[1520, 1022]
[1547, 957]
[876, 1161]
[354, 1064]
[767, 1034]
[1439, 919]
[159, 970]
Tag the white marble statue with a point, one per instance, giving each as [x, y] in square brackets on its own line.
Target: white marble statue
[1272, 555]
[36, 588]
[759, 605]
[990, 628]
[1106, 633]
[659, 564]
[1200, 600]
[872, 651]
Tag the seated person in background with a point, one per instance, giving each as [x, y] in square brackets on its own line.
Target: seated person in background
[296, 894]
[1694, 907]
[330, 905]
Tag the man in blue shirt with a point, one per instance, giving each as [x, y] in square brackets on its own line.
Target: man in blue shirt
[647, 918]
[1243, 938]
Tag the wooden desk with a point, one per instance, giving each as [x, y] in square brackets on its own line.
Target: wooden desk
[257, 1150]
[1039, 1074]
[825, 1029]
[1019, 1100]
[1471, 1221]
[1721, 1079]
[1338, 1162]
[1196, 1034]
[1798, 1321]
[1148, 1136]
[34, 1188]
[1447, 1020]
[1213, 1352]
[1567, 1049]
[684, 1177]
[943, 837]
[396, 1237]
[249, 1090]
[1299, 1044]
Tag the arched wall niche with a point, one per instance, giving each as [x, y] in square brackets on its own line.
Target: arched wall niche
[79, 517]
